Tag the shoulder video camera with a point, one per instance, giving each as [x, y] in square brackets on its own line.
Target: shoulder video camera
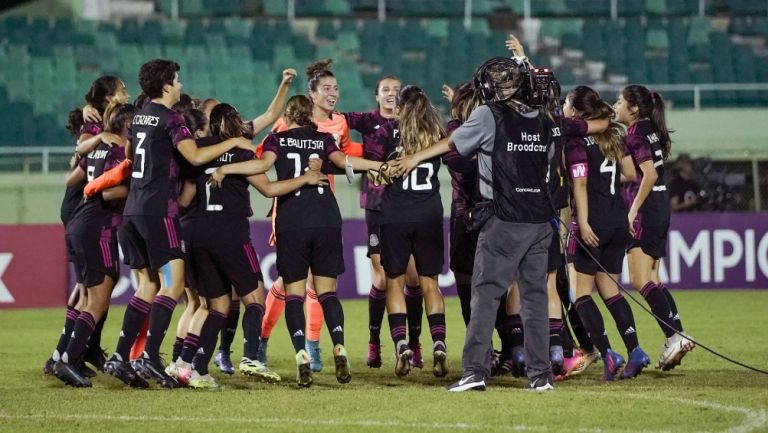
[502, 78]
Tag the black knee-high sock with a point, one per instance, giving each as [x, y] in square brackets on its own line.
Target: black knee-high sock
[334, 316]
[377, 303]
[465, 297]
[159, 319]
[228, 333]
[95, 342]
[579, 330]
[66, 333]
[593, 321]
[254, 314]
[295, 320]
[84, 326]
[515, 323]
[132, 321]
[190, 346]
[625, 320]
[555, 332]
[177, 346]
[397, 326]
[414, 304]
[506, 337]
[566, 337]
[660, 307]
[437, 327]
[673, 306]
[214, 323]
[501, 320]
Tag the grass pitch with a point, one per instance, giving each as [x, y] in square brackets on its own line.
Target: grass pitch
[704, 394]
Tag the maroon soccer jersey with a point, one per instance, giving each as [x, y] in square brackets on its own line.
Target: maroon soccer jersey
[310, 206]
[463, 171]
[368, 124]
[104, 157]
[644, 144]
[155, 132]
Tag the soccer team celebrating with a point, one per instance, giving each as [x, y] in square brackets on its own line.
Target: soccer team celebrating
[168, 178]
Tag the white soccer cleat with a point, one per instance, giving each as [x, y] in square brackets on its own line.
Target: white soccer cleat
[673, 351]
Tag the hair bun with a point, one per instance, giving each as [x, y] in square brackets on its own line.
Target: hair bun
[318, 66]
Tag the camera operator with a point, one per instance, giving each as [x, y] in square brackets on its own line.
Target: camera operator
[513, 142]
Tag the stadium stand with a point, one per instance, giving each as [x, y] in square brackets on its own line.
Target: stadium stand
[47, 64]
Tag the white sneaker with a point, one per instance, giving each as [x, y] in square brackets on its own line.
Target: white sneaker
[673, 351]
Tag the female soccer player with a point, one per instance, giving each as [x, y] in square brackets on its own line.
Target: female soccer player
[323, 91]
[418, 231]
[92, 236]
[596, 165]
[649, 143]
[308, 229]
[368, 124]
[104, 91]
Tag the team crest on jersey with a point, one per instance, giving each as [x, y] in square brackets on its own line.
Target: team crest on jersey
[373, 240]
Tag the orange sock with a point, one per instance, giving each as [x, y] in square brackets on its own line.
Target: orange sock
[274, 306]
[141, 340]
[314, 315]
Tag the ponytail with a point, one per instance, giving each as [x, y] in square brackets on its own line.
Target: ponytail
[659, 121]
[226, 123]
[420, 123]
[108, 113]
[298, 110]
[650, 105]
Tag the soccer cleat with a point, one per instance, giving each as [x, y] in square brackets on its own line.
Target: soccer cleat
[574, 365]
[123, 371]
[96, 357]
[68, 374]
[48, 366]
[440, 359]
[206, 381]
[84, 370]
[518, 361]
[495, 361]
[180, 371]
[261, 354]
[673, 351]
[416, 359]
[252, 367]
[612, 364]
[403, 362]
[469, 381]
[556, 360]
[541, 383]
[373, 360]
[153, 369]
[303, 369]
[636, 362]
[224, 363]
[315, 359]
[341, 361]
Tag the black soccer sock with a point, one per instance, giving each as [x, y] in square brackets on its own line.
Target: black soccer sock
[593, 322]
[566, 337]
[579, 330]
[295, 320]
[437, 327]
[84, 326]
[214, 323]
[228, 333]
[254, 314]
[516, 330]
[625, 320]
[134, 317]
[505, 335]
[414, 304]
[660, 307]
[177, 346]
[189, 347]
[465, 297]
[95, 342]
[159, 319]
[66, 333]
[672, 306]
[334, 316]
[555, 332]
[397, 326]
[377, 303]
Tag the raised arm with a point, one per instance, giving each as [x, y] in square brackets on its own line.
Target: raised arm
[275, 109]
